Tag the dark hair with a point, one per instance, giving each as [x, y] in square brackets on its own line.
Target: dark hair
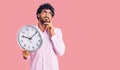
[45, 6]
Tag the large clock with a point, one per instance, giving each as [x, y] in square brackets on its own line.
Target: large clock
[29, 38]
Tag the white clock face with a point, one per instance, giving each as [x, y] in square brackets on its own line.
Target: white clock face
[29, 38]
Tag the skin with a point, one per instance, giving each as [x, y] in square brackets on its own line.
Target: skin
[44, 23]
[46, 17]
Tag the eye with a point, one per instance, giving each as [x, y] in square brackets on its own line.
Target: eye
[50, 13]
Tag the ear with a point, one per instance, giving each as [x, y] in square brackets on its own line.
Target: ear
[38, 15]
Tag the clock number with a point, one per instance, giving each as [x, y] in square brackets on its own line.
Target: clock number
[24, 45]
[23, 32]
[38, 40]
[21, 40]
[33, 47]
[32, 29]
[29, 47]
[27, 29]
[37, 44]
[39, 35]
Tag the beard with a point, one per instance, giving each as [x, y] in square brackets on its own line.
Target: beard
[44, 20]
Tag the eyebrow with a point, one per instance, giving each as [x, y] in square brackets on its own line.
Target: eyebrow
[48, 12]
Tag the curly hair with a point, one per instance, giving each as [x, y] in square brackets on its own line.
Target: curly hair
[45, 6]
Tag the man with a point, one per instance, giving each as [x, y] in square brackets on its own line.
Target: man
[45, 58]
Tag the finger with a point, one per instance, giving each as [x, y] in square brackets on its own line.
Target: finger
[46, 27]
[24, 57]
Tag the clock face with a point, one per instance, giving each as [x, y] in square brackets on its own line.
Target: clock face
[29, 38]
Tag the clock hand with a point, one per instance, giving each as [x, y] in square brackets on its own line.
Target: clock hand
[33, 34]
[25, 37]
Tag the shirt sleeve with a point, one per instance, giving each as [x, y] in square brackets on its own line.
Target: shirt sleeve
[58, 43]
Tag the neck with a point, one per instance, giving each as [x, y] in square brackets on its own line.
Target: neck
[41, 26]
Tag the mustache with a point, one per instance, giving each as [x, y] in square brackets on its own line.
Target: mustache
[46, 17]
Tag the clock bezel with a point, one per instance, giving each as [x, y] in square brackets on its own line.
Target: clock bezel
[41, 42]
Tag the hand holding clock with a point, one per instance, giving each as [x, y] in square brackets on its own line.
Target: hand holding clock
[25, 54]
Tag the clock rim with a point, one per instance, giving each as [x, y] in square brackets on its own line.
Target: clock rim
[18, 37]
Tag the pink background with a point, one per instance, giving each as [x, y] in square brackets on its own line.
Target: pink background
[91, 32]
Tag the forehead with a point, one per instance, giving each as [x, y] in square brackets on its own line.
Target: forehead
[47, 10]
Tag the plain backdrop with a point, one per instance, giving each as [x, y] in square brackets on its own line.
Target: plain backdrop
[91, 32]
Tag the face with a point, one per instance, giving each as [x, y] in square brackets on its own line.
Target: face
[45, 16]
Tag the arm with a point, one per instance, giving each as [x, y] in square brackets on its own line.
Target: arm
[58, 43]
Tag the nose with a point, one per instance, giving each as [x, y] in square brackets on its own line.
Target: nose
[47, 14]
